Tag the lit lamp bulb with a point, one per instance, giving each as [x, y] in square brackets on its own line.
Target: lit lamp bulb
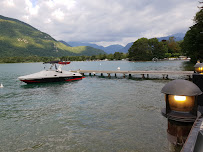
[201, 70]
[180, 98]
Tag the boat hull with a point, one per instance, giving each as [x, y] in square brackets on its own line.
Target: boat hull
[46, 80]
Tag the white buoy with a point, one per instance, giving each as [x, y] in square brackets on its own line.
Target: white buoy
[118, 68]
[1, 86]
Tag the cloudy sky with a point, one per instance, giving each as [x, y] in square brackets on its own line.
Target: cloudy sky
[103, 22]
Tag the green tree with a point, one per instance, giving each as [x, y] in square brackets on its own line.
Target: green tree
[158, 48]
[118, 55]
[110, 56]
[93, 57]
[144, 49]
[102, 56]
[140, 51]
[173, 46]
[193, 41]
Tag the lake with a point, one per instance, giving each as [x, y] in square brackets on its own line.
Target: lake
[94, 114]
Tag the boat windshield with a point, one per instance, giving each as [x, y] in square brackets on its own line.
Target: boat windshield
[54, 65]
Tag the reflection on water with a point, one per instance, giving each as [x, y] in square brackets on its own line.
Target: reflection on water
[177, 133]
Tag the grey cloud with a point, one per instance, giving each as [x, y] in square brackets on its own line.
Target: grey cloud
[107, 20]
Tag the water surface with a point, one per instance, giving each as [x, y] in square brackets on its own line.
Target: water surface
[94, 114]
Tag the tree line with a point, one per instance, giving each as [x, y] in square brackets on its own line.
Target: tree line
[24, 59]
[146, 49]
[115, 56]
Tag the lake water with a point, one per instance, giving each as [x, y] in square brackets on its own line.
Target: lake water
[93, 114]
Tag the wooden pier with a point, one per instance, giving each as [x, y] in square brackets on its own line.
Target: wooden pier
[144, 74]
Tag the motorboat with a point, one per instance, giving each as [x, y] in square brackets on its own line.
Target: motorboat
[52, 74]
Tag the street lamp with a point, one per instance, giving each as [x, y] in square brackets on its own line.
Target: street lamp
[197, 78]
[181, 100]
[199, 68]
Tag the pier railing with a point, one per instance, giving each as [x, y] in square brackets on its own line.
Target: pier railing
[195, 138]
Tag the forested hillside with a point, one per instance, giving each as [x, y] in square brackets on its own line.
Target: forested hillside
[20, 39]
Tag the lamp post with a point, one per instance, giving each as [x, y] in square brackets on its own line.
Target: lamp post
[197, 79]
[177, 133]
[181, 100]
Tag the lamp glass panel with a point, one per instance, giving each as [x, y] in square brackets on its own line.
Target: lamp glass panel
[199, 69]
[181, 103]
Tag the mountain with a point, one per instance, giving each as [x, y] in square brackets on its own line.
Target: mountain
[109, 49]
[177, 36]
[20, 39]
[126, 48]
[74, 44]
[65, 43]
[119, 48]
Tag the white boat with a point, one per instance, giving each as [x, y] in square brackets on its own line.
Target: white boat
[53, 74]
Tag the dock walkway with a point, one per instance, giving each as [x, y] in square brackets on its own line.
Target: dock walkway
[165, 74]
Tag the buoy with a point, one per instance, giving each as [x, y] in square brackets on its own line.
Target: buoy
[1, 86]
[118, 68]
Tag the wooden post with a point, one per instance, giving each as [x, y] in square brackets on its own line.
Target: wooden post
[143, 76]
[109, 75]
[115, 75]
[123, 75]
[189, 78]
[130, 75]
